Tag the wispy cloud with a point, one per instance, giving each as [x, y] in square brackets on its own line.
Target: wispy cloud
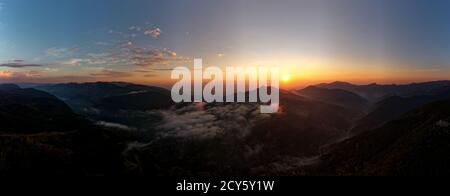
[58, 52]
[151, 56]
[33, 74]
[19, 64]
[12, 77]
[115, 125]
[155, 32]
[111, 74]
[135, 28]
[123, 51]
[20, 75]
[95, 59]
[115, 32]
[143, 71]
[72, 62]
[5, 74]
[147, 73]
[197, 121]
[146, 56]
[125, 55]
[102, 43]
[150, 75]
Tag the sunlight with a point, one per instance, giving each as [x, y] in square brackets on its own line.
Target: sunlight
[285, 78]
[5, 74]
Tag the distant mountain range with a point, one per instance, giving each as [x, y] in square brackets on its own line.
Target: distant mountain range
[381, 103]
[121, 128]
[41, 135]
[393, 107]
[343, 98]
[377, 92]
[302, 127]
[418, 143]
[110, 95]
[7, 87]
[31, 111]
[119, 102]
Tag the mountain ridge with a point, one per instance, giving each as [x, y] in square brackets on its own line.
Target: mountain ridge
[376, 92]
[415, 144]
[346, 99]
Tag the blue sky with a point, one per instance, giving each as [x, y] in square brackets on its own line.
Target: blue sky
[136, 40]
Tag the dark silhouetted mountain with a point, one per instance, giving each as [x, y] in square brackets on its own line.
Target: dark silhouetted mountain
[31, 111]
[116, 102]
[418, 143]
[337, 85]
[137, 101]
[300, 129]
[393, 107]
[376, 92]
[40, 135]
[7, 87]
[246, 139]
[346, 99]
[98, 89]
[81, 96]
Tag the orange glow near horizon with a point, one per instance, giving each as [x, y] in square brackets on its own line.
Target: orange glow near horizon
[295, 72]
[5, 74]
[294, 77]
[285, 78]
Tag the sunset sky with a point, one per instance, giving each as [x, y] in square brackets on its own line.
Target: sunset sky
[360, 41]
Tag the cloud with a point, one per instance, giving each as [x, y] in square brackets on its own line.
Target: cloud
[5, 74]
[47, 69]
[147, 73]
[128, 55]
[155, 32]
[150, 75]
[135, 28]
[59, 79]
[19, 64]
[220, 55]
[115, 32]
[33, 74]
[124, 52]
[95, 59]
[71, 62]
[201, 121]
[58, 52]
[150, 56]
[143, 71]
[111, 73]
[102, 43]
[35, 77]
[20, 75]
[163, 69]
[115, 126]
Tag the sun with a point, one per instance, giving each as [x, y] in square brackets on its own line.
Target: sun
[285, 78]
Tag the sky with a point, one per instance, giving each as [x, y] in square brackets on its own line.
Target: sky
[312, 41]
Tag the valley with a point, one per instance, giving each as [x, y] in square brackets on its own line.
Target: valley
[127, 129]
